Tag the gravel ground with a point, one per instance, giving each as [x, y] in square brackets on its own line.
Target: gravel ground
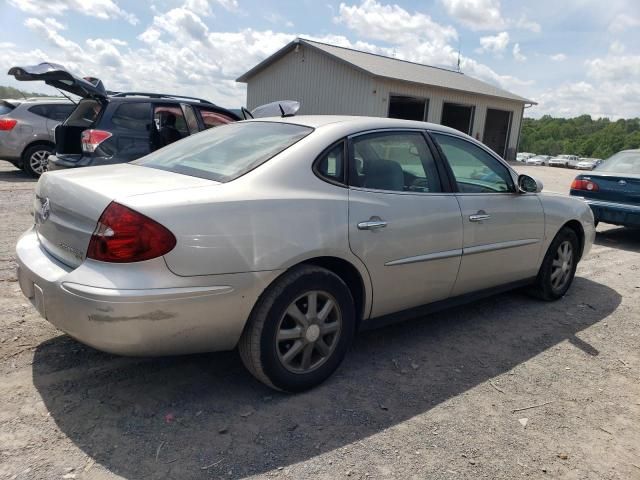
[505, 388]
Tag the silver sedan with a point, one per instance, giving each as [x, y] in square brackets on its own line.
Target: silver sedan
[285, 236]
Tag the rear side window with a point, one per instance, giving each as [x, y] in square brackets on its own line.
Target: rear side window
[394, 161]
[212, 118]
[225, 153]
[53, 112]
[133, 116]
[85, 114]
[5, 107]
[331, 164]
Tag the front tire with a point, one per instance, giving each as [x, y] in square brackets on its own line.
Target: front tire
[299, 330]
[558, 267]
[35, 159]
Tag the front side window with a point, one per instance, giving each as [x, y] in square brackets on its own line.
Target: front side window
[394, 161]
[133, 116]
[225, 153]
[475, 170]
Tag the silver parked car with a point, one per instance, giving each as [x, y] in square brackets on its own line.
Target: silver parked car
[285, 236]
[26, 131]
[566, 161]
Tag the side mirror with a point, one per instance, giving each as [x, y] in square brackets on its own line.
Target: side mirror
[527, 184]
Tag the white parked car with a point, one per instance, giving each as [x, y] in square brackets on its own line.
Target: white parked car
[285, 236]
[523, 156]
[588, 163]
[538, 160]
[566, 161]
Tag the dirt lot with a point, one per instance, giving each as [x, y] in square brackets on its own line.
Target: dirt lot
[504, 388]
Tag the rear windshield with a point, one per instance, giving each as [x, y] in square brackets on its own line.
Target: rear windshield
[5, 107]
[622, 162]
[85, 114]
[226, 152]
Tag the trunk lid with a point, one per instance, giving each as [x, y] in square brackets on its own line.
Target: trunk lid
[59, 77]
[69, 203]
[613, 187]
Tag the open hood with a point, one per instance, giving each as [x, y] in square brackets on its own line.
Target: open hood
[59, 77]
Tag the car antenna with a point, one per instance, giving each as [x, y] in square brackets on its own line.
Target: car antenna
[246, 112]
[68, 98]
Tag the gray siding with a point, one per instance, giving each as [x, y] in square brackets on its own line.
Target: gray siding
[324, 85]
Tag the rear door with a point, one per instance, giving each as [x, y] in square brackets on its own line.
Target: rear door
[503, 229]
[131, 130]
[403, 225]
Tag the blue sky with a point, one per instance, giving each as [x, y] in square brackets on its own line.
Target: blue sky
[571, 56]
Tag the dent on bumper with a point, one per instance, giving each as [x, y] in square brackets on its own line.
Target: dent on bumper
[153, 321]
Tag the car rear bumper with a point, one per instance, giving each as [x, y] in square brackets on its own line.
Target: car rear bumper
[615, 213]
[142, 321]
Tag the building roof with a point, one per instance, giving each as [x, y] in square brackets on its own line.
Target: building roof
[393, 68]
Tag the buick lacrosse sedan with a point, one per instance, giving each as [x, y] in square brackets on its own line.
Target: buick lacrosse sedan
[286, 236]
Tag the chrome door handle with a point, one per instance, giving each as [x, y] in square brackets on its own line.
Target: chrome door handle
[372, 224]
[478, 217]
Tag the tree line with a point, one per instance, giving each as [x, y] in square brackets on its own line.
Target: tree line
[10, 92]
[580, 136]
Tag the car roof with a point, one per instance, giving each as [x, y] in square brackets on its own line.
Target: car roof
[358, 122]
[38, 100]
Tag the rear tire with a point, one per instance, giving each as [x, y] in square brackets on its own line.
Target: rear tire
[299, 330]
[558, 267]
[34, 159]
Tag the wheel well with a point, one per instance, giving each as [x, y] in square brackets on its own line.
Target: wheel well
[37, 142]
[349, 275]
[577, 227]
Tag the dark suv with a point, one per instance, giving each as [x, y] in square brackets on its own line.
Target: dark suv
[118, 127]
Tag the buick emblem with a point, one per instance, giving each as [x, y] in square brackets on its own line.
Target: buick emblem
[622, 182]
[45, 210]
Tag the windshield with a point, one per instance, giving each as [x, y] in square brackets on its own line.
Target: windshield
[622, 162]
[226, 152]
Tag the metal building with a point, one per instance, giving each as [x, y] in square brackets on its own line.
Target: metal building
[328, 79]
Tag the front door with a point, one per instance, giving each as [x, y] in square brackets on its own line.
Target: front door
[503, 229]
[405, 229]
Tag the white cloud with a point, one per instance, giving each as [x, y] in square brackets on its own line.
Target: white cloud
[517, 54]
[525, 24]
[278, 20]
[182, 53]
[496, 43]
[558, 57]
[103, 9]
[392, 23]
[621, 100]
[231, 5]
[614, 68]
[616, 47]
[623, 22]
[476, 14]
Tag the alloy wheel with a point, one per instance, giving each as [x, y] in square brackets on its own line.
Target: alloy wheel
[308, 331]
[562, 266]
[38, 161]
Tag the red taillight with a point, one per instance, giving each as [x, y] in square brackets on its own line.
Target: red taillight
[7, 123]
[92, 138]
[124, 235]
[581, 184]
